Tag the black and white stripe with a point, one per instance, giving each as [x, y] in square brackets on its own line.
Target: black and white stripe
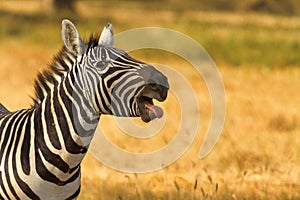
[41, 148]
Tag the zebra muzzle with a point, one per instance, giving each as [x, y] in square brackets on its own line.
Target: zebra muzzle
[156, 87]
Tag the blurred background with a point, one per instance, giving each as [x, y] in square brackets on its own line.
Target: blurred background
[254, 43]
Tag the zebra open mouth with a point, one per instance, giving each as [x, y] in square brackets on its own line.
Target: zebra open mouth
[147, 110]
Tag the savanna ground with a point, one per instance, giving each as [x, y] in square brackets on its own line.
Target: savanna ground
[258, 154]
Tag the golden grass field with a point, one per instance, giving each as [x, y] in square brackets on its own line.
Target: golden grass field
[258, 154]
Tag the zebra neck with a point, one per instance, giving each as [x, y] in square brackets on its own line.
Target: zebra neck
[67, 121]
[75, 102]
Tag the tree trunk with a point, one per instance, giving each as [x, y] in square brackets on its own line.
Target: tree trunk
[53, 6]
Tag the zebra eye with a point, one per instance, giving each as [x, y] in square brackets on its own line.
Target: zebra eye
[101, 65]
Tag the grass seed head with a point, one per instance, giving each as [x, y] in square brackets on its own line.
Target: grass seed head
[195, 184]
[176, 185]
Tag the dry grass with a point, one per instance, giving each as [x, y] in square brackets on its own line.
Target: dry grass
[257, 156]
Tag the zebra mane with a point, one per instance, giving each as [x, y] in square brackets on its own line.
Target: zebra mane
[61, 63]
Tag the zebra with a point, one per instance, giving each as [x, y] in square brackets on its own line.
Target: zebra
[41, 148]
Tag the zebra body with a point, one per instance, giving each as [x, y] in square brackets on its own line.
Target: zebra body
[41, 148]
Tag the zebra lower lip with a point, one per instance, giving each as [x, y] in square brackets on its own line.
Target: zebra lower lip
[147, 110]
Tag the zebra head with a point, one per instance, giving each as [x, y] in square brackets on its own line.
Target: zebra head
[114, 82]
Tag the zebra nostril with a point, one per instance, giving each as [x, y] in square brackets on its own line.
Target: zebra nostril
[158, 80]
[156, 83]
[164, 92]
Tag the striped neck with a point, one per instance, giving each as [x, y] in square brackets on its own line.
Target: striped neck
[68, 118]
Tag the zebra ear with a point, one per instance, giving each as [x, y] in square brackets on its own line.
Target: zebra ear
[71, 37]
[107, 36]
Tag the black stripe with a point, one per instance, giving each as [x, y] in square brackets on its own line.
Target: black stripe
[102, 103]
[25, 162]
[51, 131]
[114, 104]
[114, 78]
[106, 94]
